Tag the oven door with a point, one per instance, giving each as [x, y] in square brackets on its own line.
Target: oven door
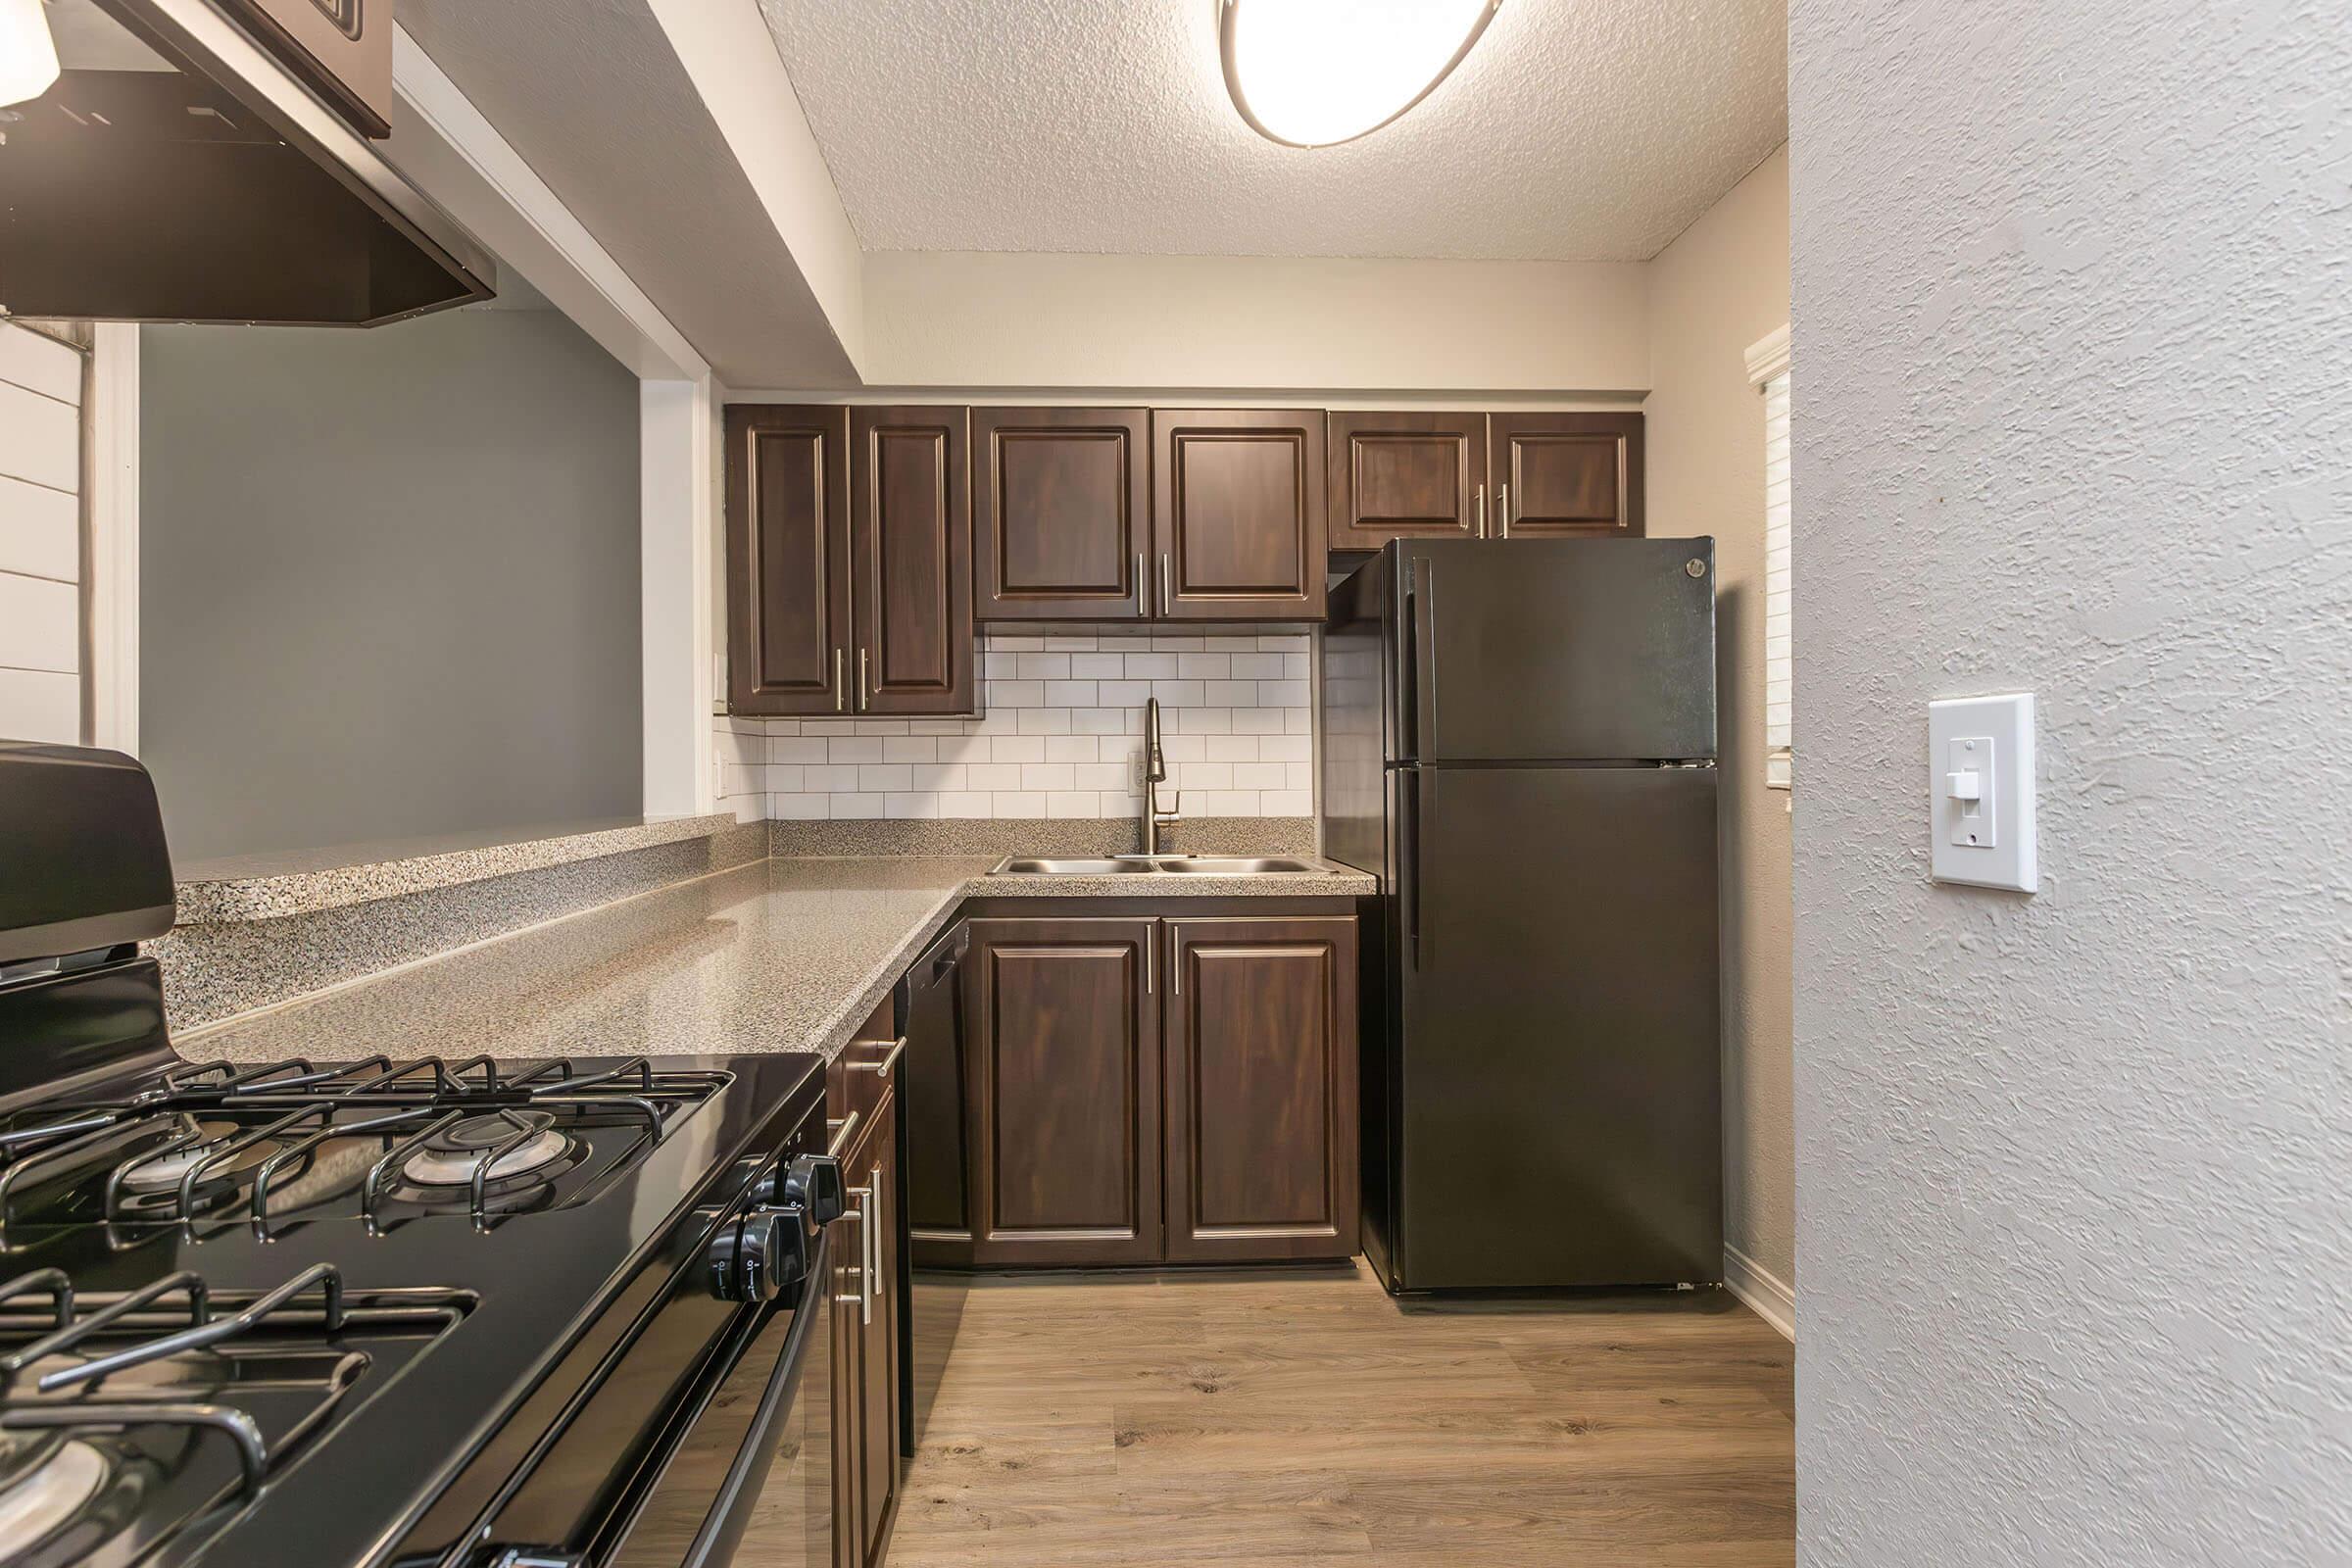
[754, 1475]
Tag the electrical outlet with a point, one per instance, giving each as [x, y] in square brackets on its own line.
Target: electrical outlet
[1136, 771]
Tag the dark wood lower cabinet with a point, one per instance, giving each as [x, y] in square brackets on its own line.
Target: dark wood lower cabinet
[1145, 1091]
[866, 1367]
[1065, 1092]
[1261, 1118]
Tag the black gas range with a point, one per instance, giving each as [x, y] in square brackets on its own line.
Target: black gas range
[384, 1311]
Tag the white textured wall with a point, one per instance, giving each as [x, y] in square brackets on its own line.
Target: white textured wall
[2074, 414]
[1718, 288]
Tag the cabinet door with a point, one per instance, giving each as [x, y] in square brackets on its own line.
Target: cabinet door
[911, 536]
[846, 1278]
[1261, 1094]
[879, 1369]
[1060, 514]
[788, 545]
[1237, 514]
[1406, 476]
[1567, 474]
[1065, 1044]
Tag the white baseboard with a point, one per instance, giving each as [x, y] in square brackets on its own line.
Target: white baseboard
[1774, 1300]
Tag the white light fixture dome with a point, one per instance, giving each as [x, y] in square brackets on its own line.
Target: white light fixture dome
[1316, 73]
[28, 53]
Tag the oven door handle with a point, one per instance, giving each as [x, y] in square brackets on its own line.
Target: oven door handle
[739, 1493]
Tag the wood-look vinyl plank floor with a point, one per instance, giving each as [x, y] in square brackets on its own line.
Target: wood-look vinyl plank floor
[1306, 1420]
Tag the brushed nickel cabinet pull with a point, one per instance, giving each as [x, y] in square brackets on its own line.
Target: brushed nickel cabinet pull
[881, 1070]
[1480, 532]
[1163, 582]
[1143, 587]
[1503, 511]
[862, 680]
[841, 691]
[842, 1135]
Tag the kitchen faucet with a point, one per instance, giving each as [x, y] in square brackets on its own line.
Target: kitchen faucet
[1155, 774]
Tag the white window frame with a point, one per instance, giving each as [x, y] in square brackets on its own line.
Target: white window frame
[1768, 372]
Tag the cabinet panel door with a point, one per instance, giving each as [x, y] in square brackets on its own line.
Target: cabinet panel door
[1066, 1047]
[1261, 1093]
[878, 1366]
[1060, 514]
[1238, 513]
[788, 585]
[848, 1435]
[911, 540]
[1406, 476]
[1569, 474]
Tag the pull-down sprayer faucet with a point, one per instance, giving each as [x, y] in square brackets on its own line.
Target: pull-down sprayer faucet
[1155, 774]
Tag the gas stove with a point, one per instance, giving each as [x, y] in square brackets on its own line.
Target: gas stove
[374, 1311]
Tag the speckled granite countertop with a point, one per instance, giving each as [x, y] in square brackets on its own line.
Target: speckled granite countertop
[780, 955]
[267, 887]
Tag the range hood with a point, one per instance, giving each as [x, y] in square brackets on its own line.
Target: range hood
[182, 169]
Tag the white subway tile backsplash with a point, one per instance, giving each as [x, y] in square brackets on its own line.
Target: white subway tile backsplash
[1061, 736]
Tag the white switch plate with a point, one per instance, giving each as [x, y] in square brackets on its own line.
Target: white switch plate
[1987, 841]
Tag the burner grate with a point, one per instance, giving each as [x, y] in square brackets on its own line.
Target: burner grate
[191, 1138]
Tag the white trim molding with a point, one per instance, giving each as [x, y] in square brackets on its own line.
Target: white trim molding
[110, 589]
[1771, 1298]
[1768, 357]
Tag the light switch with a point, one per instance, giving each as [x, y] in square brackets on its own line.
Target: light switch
[1981, 791]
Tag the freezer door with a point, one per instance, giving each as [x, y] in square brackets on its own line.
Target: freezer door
[1559, 1095]
[1555, 649]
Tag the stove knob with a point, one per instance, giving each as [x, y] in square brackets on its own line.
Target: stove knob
[759, 1255]
[814, 1183]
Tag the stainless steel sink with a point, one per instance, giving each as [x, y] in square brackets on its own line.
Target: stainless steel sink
[1148, 864]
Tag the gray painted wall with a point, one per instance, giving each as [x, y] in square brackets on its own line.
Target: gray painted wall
[2073, 294]
[388, 580]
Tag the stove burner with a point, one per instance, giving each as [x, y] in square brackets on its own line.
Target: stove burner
[160, 1172]
[451, 1156]
[46, 1483]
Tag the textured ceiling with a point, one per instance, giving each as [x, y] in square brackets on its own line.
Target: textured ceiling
[1577, 131]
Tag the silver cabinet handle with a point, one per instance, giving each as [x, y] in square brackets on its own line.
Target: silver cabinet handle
[1151, 962]
[841, 690]
[1163, 582]
[1482, 510]
[862, 680]
[863, 1214]
[881, 1070]
[1143, 587]
[1503, 511]
[842, 1135]
[877, 1232]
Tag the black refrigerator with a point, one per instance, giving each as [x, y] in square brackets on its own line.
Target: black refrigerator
[1518, 739]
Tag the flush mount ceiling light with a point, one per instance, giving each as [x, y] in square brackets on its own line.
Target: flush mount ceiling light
[1317, 73]
[27, 55]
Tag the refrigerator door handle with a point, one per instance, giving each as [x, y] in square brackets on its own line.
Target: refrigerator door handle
[1414, 783]
[1421, 659]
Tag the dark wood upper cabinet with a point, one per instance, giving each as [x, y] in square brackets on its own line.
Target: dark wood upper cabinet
[1406, 476]
[1061, 504]
[788, 551]
[1237, 515]
[1261, 1089]
[1064, 1040]
[911, 542]
[1559, 476]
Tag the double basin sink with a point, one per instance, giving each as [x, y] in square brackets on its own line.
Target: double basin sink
[1151, 865]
